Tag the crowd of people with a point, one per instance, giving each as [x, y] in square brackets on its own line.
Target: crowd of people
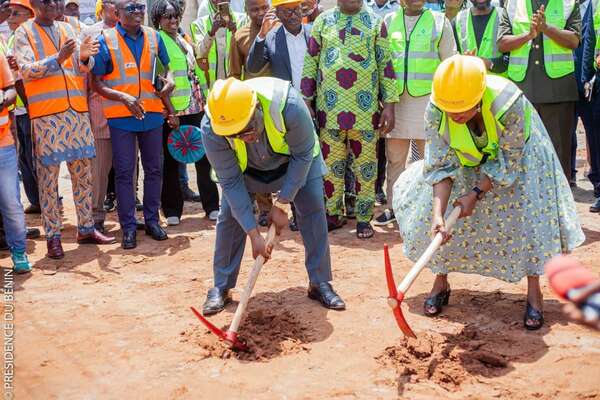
[104, 97]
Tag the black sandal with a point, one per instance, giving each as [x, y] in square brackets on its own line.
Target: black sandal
[364, 230]
[534, 315]
[335, 222]
[436, 301]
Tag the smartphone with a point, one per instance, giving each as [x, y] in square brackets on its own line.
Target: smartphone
[223, 9]
[156, 82]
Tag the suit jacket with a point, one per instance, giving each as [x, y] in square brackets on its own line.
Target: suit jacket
[274, 51]
[584, 54]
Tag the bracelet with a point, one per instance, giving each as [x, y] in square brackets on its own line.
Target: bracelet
[282, 206]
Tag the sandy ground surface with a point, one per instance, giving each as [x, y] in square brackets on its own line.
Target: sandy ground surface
[108, 324]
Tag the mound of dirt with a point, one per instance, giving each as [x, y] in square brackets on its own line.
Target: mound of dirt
[267, 334]
[445, 360]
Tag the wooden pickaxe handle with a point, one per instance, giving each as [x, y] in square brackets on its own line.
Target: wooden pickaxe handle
[258, 263]
[429, 252]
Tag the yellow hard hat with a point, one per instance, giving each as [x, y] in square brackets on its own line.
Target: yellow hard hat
[230, 107]
[276, 3]
[458, 83]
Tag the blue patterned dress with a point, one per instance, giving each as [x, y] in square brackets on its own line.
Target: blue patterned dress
[528, 217]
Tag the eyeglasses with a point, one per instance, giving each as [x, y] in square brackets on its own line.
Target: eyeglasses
[247, 131]
[288, 12]
[170, 16]
[134, 8]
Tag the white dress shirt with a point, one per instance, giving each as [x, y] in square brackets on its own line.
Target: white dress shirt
[297, 47]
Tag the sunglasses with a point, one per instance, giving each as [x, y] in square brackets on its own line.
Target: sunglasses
[134, 8]
[250, 128]
[170, 16]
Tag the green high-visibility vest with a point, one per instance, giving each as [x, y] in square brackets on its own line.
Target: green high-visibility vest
[500, 94]
[199, 29]
[466, 34]
[415, 57]
[272, 94]
[178, 65]
[558, 60]
[5, 48]
[596, 10]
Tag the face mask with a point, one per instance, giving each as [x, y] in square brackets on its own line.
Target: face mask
[433, 6]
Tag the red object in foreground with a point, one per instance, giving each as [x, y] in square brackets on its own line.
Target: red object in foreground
[395, 298]
[230, 337]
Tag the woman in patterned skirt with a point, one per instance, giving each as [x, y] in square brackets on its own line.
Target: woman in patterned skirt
[488, 152]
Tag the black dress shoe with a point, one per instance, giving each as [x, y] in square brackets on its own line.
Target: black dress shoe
[324, 293]
[33, 209]
[216, 299]
[32, 233]
[99, 226]
[156, 232]
[129, 240]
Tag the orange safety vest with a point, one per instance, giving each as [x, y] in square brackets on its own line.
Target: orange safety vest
[127, 77]
[59, 90]
[4, 119]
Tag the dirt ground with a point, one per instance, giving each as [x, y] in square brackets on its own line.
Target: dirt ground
[108, 324]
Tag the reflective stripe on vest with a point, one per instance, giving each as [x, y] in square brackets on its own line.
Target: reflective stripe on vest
[416, 57]
[199, 29]
[558, 60]
[499, 96]
[58, 90]
[272, 94]
[178, 65]
[11, 46]
[466, 34]
[74, 22]
[128, 77]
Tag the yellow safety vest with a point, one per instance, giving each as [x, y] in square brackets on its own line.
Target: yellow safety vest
[558, 60]
[178, 65]
[199, 29]
[500, 94]
[272, 95]
[596, 10]
[466, 34]
[415, 57]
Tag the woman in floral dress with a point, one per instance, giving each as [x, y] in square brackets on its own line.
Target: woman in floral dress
[518, 210]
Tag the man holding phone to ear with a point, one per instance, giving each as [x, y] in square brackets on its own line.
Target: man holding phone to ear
[212, 35]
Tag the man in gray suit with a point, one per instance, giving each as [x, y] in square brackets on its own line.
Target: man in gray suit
[284, 47]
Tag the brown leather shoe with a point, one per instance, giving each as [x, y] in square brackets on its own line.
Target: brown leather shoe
[55, 250]
[95, 238]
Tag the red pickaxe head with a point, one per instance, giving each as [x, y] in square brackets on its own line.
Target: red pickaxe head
[228, 337]
[395, 297]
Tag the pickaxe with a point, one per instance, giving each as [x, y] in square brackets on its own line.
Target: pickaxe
[396, 295]
[230, 337]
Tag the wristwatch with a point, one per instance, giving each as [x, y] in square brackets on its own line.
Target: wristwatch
[480, 193]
